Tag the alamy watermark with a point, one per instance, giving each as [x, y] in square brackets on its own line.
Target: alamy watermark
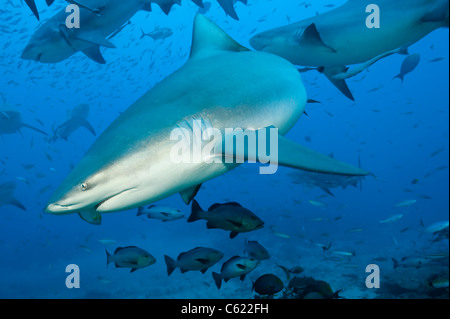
[373, 21]
[203, 144]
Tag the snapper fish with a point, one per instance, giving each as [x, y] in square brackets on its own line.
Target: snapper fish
[130, 257]
[229, 216]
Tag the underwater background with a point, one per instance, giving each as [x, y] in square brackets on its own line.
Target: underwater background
[399, 131]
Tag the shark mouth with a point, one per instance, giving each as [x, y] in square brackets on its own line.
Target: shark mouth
[56, 208]
[104, 204]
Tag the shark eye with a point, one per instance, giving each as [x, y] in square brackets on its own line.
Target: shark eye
[84, 186]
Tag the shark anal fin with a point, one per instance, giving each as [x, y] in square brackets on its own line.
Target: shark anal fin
[311, 36]
[93, 53]
[189, 194]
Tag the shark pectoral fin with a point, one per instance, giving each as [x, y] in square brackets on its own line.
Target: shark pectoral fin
[189, 194]
[295, 155]
[339, 83]
[16, 203]
[94, 54]
[89, 127]
[311, 37]
[95, 38]
[91, 216]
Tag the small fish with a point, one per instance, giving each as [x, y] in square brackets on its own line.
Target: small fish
[436, 152]
[436, 59]
[414, 181]
[268, 285]
[108, 241]
[199, 258]
[391, 219]
[162, 213]
[406, 203]
[408, 65]
[317, 203]
[130, 257]
[344, 253]
[440, 282]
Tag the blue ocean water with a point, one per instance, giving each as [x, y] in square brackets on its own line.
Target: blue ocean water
[399, 131]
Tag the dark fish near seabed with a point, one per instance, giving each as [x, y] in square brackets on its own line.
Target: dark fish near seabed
[130, 257]
[199, 258]
[268, 284]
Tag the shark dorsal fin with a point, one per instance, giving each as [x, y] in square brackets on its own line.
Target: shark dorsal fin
[208, 37]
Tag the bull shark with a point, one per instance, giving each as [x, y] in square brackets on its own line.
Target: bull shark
[11, 121]
[7, 195]
[54, 42]
[335, 39]
[223, 84]
[77, 119]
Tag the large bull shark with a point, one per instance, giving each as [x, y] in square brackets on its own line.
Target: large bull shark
[341, 37]
[54, 41]
[223, 85]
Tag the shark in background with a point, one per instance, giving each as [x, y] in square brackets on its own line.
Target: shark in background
[227, 6]
[11, 121]
[7, 195]
[331, 41]
[54, 42]
[131, 163]
[78, 119]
